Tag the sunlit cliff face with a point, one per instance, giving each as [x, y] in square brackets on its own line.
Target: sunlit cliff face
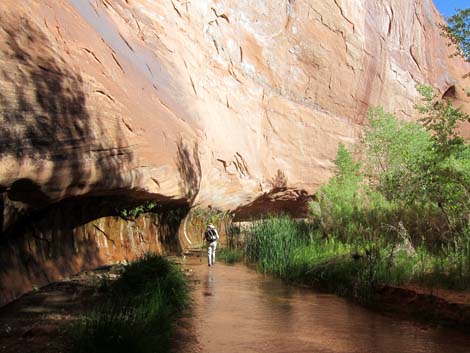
[202, 101]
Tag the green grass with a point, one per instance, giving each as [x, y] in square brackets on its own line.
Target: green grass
[139, 312]
[295, 252]
[230, 256]
[271, 242]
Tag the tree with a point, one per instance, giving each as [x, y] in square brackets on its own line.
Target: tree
[457, 31]
[446, 171]
[441, 119]
[395, 153]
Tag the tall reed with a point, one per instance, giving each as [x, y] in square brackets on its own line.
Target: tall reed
[139, 311]
[353, 267]
[271, 242]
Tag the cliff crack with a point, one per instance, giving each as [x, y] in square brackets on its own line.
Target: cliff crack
[322, 21]
[192, 84]
[127, 125]
[155, 181]
[105, 234]
[413, 56]
[224, 163]
[105, 94]
[241, 166]
[344, 16]
[92, 54]
[118, 63]
[176, 9]
[126, 42]
[223, 15]
[148, 68]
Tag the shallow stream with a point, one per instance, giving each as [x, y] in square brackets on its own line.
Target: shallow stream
[239, 310]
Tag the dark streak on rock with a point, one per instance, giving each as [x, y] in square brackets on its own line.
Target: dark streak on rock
[105, 94]
[118, 64]
[224, 16]
[125, 41]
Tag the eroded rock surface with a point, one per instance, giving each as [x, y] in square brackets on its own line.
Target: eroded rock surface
[202, 100]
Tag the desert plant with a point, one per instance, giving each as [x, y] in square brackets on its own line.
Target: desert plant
[139, 310]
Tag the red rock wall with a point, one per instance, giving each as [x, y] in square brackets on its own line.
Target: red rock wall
[54, 247]
[202, 101]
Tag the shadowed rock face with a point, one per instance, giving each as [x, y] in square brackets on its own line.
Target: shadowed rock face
[201, 102]
[76, 235]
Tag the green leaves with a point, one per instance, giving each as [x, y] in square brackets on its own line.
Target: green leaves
[458, 32]
[134, 212]
[416, 175]
[346, 166]
[440, 118]
[395, 152]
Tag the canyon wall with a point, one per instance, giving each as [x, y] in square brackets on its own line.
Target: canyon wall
[233, 104]
[76, 235]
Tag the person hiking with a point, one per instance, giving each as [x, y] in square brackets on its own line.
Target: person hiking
[211, 236]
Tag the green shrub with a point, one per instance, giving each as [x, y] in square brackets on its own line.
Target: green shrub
[412, 189]
[271, 241]
[230, 256]
[134, 212]
[139, 312]
[401, 215]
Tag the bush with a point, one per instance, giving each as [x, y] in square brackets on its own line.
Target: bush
[412, 188]
[134, 212]
[271, 241]
[230, 256]
[139, 311]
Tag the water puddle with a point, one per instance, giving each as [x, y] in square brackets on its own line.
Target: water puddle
[239, 310]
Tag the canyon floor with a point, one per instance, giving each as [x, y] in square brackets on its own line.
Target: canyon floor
[236, 309]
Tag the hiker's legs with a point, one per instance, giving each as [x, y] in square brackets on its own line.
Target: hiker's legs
[213, 252]
[209, 254]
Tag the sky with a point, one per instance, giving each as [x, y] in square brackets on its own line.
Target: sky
[447, 7]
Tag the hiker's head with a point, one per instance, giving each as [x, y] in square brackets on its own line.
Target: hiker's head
[210, 226]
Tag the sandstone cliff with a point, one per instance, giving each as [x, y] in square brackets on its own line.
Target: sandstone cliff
[203, 100]
[206, 102]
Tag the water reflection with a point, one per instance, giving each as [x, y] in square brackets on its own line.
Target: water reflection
[239, 310]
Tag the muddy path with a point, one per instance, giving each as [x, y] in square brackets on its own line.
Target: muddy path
[40, 321]
[238, 310]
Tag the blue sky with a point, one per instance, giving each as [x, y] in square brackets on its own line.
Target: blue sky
[447, 7]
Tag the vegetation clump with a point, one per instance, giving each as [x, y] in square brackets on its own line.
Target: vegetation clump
[457, 31]
[398, 214]
[230, 256]
[132, 213]
[139, 311]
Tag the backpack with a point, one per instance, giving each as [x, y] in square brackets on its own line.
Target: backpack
[210, 235]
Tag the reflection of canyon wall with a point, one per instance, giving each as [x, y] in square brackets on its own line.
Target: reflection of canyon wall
[200, 102]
